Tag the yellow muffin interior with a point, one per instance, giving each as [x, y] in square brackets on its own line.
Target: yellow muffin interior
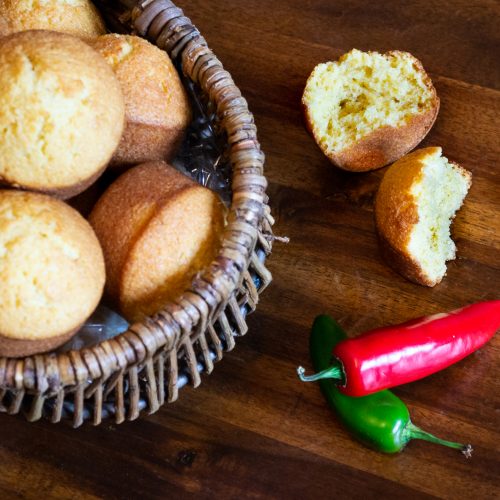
[361, 92]
[439, 193]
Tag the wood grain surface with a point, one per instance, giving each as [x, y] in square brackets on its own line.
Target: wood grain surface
[251, 430]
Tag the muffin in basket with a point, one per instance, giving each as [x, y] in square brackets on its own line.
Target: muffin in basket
[144, 367]
[51, 272]
[157, 110]
[157, 228]
[61, 113]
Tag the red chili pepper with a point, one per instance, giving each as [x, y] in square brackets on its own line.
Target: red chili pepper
[395, 355]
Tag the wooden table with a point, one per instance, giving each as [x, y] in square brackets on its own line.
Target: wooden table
[252, 430]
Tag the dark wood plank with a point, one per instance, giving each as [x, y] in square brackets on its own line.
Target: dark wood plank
[187, 459]
[251, 429]
[459, 39]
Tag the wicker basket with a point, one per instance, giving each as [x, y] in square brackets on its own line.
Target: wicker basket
[145, 366]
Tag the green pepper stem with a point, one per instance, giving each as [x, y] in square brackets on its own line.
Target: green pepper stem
[332, 372]
[414, 432]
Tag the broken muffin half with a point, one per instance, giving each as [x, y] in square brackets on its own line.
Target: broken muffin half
[366, 110]
[415, 205]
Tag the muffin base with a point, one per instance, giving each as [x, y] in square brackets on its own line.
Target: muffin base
[62, 193]
[18, 348]
[382, 146]
[144, 142]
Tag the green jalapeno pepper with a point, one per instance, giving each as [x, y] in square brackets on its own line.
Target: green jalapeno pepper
[380, 420]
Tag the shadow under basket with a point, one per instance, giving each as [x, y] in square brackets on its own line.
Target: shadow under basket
[141, 368]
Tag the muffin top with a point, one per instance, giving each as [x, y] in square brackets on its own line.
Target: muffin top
[51, 267]
[151, 87]
[74, 17]
[61, 112]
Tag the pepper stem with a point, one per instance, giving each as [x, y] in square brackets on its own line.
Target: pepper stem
[332, 372]
[414, 432]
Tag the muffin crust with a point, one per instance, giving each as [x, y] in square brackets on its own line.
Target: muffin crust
[51, 270]
[157, 109]
[61, 113]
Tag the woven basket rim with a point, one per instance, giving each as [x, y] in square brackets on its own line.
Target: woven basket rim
[184, 318]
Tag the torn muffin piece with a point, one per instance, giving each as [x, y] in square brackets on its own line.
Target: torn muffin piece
[415, 205]
[366, 110]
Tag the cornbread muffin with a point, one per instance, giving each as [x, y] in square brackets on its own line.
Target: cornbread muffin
[75, 17]
[157, 109]
[61, 113]
[158, 228]
[367, 109]
[51, 272]
[416, 202]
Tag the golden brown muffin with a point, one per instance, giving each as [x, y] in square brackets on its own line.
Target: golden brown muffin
[157, 228]
[74, 17]
[415, 204]
[157, 109]
[61, 113]
[367, 109]
[51, 272]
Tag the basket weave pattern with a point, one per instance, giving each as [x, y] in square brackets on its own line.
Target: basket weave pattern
[140, 369]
